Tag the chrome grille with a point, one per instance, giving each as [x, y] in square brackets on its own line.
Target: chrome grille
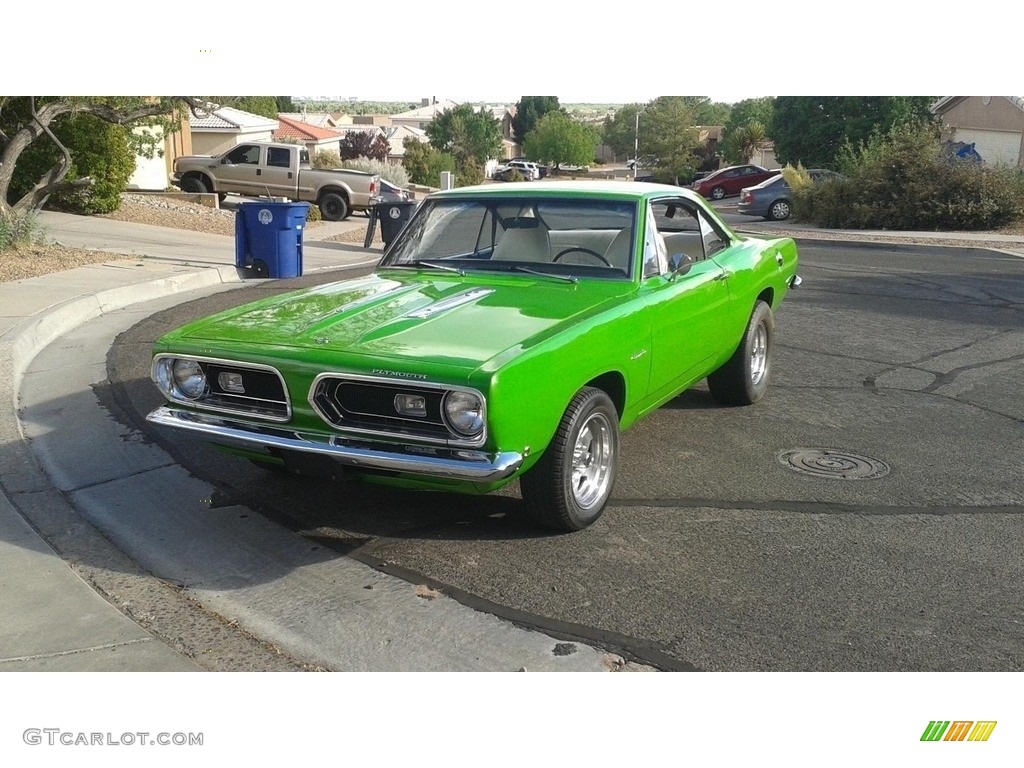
[355, 404]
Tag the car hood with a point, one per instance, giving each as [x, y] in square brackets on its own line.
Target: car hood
[462, 322]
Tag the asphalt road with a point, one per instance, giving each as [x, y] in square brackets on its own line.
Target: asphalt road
[900, 364]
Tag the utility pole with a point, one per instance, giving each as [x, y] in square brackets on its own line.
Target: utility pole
[636, 144]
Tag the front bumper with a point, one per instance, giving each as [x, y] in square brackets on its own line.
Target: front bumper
[432, 462]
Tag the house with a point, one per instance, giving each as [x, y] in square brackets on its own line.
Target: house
[993, 124]
[319, 119]
[424, 114]
[315, 138]
[226, 127]
[151, 173]
[396, 136]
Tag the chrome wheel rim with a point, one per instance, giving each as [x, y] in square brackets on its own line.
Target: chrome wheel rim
[592, 461]
[759, 355]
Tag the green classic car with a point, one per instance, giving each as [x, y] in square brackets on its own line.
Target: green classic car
[509, 332]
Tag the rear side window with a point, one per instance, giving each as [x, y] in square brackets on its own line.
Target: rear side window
[279, 157]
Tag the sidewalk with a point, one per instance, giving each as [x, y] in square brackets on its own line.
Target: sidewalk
[52, 618]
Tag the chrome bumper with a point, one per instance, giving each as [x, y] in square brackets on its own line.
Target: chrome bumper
[440, 462]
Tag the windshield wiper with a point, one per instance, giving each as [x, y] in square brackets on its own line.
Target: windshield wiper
[434, 265]
[527, 270]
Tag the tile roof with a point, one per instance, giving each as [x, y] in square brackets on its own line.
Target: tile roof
[319, 119]
[296, 129]
[231, 119]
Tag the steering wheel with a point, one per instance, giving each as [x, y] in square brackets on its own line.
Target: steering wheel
[581, 249]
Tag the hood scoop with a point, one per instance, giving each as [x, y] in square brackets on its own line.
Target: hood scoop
[458, 300]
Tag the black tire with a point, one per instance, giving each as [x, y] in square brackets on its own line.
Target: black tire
[743, 380]
[333, 207]
[260, 268]
[193, 185]
[568, 488]
[718, 193]
[779, 210]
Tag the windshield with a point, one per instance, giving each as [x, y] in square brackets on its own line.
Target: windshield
[569, 238]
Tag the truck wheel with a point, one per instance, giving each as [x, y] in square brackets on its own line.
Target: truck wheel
[333, 207]
[194, 186]
[567, 489]
[743, 380]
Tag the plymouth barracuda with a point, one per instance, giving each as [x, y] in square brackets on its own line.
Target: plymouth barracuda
[509, 332]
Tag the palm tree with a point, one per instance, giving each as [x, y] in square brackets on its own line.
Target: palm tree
[748, 138]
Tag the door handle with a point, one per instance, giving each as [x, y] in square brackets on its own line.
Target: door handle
[259, 171]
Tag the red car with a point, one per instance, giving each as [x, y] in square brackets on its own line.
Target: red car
[729, 181]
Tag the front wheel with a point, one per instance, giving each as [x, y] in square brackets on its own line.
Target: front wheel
[193, 186]
[333, 207]
[718, 193]
[569, 486]
[743, 380]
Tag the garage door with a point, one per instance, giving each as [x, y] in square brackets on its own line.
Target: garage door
[995, 147]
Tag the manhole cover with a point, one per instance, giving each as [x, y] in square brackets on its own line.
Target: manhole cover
[834, 464]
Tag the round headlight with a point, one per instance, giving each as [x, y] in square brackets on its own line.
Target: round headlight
[189, 378]
[464, 412]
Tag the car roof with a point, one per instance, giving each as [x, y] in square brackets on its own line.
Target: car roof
[623, 189]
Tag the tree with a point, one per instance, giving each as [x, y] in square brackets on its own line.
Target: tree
[465, 133]
[668, 133]
[284, 104]
[529, 111]
[707, 112]
[742, 114]
[424, 163]
[25, 120]
[100, 152]
[745, 142]
[369, 144]
[813, 129]
[557, 138]
[620, 129]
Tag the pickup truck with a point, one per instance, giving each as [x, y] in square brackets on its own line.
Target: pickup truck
[263, 169]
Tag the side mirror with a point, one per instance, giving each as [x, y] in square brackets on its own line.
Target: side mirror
[680, 264]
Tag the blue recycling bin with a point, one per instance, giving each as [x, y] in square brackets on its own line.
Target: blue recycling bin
[268, 237]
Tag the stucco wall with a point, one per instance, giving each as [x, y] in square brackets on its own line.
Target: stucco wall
[213, 143]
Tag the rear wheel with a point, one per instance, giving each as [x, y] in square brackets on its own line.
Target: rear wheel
[260, 268]
[779, 210]
[718, 193]
[333, 207]
[743, 380]
[569, 486]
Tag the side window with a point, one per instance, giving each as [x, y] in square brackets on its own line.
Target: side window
[713, 240]
[655, 247]
[244, 154]
[685, 230]
[279, 157]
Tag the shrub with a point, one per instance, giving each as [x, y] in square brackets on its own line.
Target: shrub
[392, 172]
[326, 159]
[20, 230]
[98, 149]
[904, 180]
[469, 173]
[515, 175]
